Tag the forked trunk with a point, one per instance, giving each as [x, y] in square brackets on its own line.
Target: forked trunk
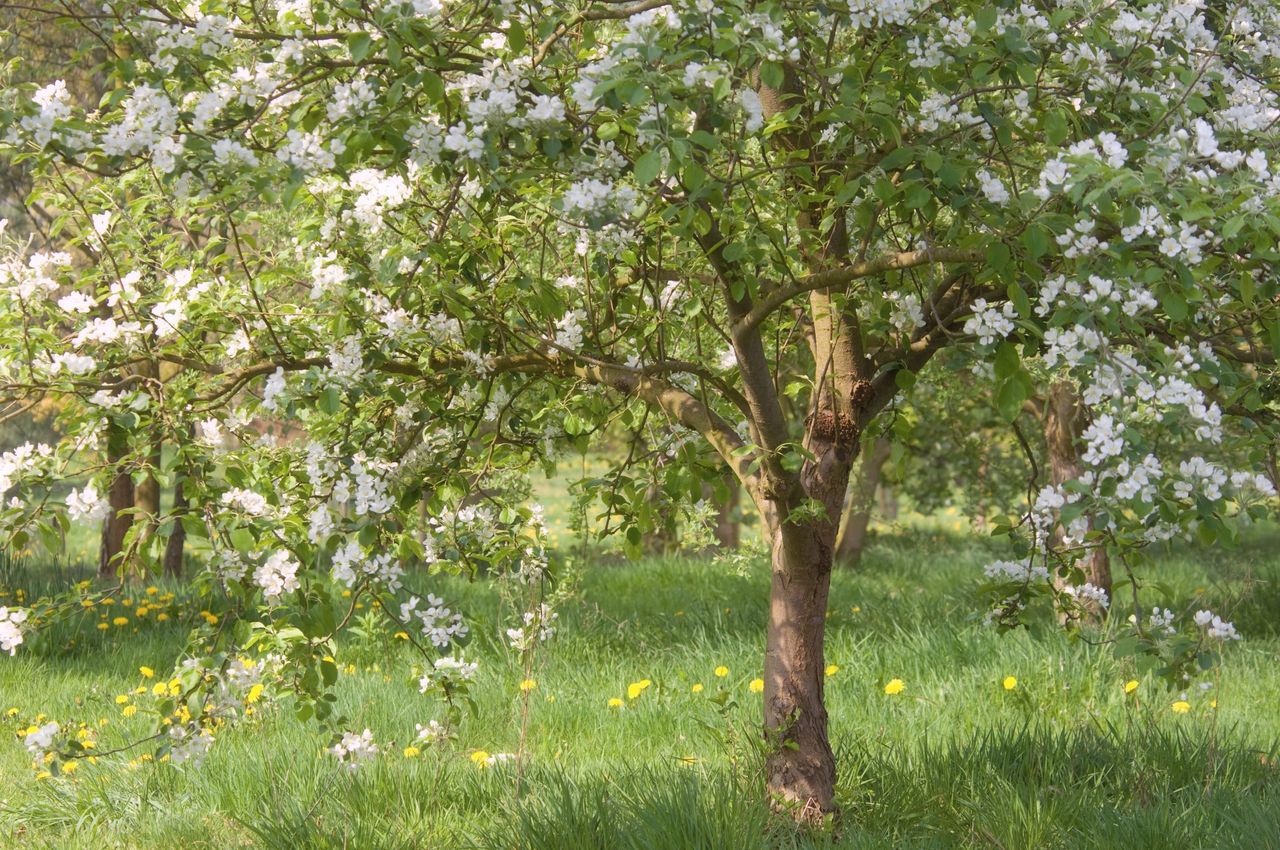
[1064, 420]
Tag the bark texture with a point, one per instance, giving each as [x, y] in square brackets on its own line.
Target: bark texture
[801, 768]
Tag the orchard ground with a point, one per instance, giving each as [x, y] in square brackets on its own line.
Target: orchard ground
[963, 756]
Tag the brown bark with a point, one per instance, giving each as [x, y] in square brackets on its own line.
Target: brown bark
[146, 493]
[800, 768]
[178, 536]
[857, 511]
[120, 499]
[1064, 420]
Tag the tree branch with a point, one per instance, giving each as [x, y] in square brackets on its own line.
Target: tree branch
[837, 278]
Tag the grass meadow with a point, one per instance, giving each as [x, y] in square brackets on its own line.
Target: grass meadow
[1063, 758]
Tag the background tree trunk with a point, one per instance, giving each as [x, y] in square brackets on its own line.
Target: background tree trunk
[857, 511]
[728, 527]
[1064, 420]
[146, 493]
[119, 498]
[178, 536]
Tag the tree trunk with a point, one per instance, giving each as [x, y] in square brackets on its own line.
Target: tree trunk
[119, 498]
[888, 502]
[1064, 420]
[857, 511]
[801, 767]
[178, 536]
[727, 528]
[146, 494]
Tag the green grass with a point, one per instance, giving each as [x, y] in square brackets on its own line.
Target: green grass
[1062, 761]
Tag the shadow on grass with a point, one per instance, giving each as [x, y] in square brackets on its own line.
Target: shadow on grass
[1148, 788]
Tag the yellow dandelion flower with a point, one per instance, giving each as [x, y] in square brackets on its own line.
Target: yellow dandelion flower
[159, 688]
[1130, 686]
[1010, 682]
[120, 621]
[401, 635]
[153, 590]
[722, 671]
[122, 699]
[479, 758]
[102, 627]
[832, 669]
[146, 672]
[614, 702]
[697, 689]
[255, 694]
[894, 687]
[756, 686]
[635, 689]
[129, 710]
[528, 685]
[1181, 707]
[411, 752]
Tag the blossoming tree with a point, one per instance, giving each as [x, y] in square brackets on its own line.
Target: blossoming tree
[443, 238]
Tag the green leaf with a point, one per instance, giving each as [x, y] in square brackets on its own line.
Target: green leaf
[1055, 127]
[330, 402]
[1007, 360]
[242, 539]
[772, 75]
[900, 157]
[1021, 302]
[998, 256]
[358, 45]
[1036, 241]
[648, 166]
[1010, 398]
